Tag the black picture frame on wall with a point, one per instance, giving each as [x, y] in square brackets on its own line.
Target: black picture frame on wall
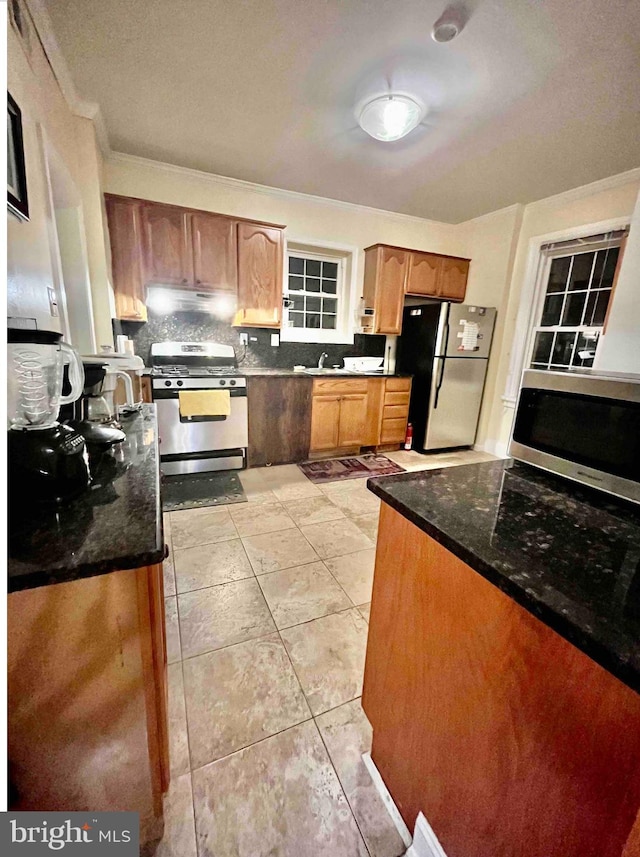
[17, 199]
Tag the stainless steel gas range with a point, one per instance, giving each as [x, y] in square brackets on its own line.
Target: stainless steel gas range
[196, 444]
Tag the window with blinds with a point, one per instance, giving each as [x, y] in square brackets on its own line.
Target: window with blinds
[577, 281]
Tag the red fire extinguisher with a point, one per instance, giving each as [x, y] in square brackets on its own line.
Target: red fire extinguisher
[408, 438]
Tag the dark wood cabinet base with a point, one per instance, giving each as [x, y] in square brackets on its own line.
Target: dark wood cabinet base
[279, 420]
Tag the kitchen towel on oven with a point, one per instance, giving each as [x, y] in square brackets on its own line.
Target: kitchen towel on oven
[204, 403]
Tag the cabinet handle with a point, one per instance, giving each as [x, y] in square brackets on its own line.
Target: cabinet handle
[198, 282]
[185, 281]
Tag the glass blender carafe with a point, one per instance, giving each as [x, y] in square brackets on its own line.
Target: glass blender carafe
[35, 369]
[48, 461]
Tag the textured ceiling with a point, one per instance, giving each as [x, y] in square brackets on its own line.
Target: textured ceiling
[533, 98]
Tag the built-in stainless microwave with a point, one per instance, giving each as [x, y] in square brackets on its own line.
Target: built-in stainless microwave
[585, 427]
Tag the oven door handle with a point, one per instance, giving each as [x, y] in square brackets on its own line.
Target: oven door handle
[218, 418]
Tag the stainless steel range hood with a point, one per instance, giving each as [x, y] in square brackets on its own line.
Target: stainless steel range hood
[164, 300]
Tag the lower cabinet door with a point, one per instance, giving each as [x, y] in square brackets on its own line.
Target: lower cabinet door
[325, 423]
[353, 413]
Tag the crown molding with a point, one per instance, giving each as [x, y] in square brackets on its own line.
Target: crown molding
[78, 106]
[240, 184]
[611, 182]
[499, 212]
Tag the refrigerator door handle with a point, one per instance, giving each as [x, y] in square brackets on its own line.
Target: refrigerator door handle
[439, 382]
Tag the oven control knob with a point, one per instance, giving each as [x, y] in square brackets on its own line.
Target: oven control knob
[233, 383]
[222, 382]
[179, 383]
[167, 383]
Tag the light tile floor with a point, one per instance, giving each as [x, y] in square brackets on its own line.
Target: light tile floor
[267, 605]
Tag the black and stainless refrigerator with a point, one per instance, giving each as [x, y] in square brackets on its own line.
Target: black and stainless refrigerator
[446, 349]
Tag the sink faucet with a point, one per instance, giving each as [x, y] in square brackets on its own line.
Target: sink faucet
[321, 360]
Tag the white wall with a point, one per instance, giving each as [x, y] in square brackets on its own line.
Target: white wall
[619, 349]
[583, 207]
[490, 242]
[30, 255]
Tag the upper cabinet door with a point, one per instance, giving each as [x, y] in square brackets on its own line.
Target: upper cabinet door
[169, 254]
[392, 268]
[424, 269]
[260, 253]
[125, 235]
[453, 278]
[214, 252]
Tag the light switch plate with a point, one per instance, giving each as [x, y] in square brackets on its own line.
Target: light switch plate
[275, 339]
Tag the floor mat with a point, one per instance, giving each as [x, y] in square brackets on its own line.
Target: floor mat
[353, 467]
[196, 490]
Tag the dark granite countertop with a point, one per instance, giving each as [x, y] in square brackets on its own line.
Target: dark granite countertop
[287, 373]
[260, 371]
[116, 524]
[570, 556]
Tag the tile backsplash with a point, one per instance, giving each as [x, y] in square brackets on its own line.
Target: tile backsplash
[200, 327]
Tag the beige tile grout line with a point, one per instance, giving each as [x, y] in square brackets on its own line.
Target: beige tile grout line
[312, 716]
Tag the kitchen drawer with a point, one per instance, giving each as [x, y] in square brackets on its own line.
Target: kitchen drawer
[395, 412]
[396, 399]
[393, 431]
[331, 386]
[398, 385]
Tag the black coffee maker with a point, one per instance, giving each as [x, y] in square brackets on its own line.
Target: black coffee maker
[97, 428]
[48, 461]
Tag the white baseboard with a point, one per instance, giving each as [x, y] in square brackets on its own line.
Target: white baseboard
[392, 809]
[495, 447]
[425, 842]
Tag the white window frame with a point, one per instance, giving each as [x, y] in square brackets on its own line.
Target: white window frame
[345, 256]
[588, 331]
[532, 297]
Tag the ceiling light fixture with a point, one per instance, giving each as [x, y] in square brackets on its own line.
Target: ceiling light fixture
[390, 117]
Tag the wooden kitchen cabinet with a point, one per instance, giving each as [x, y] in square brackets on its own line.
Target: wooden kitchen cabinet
[395, 411]
[349, 413]
[260, 262]
[338, 414]
[325, 423]
[492, 711]
[127, 263]
[87, 697]
[385, 274]
[168, 245]
[390, 273]
[424, 274]
[215, 265]
[453, 279]
[279, 419]
[353, 413]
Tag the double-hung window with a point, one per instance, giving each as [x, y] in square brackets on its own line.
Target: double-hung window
[317, 295]
[577, 282]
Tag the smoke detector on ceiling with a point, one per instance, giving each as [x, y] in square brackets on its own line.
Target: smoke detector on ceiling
[450, 24]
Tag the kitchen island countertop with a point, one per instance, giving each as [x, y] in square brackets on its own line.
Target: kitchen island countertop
[116, 524]
[567, 554]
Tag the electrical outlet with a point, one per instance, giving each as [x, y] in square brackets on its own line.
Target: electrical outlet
[244, 338]
[275, 339]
